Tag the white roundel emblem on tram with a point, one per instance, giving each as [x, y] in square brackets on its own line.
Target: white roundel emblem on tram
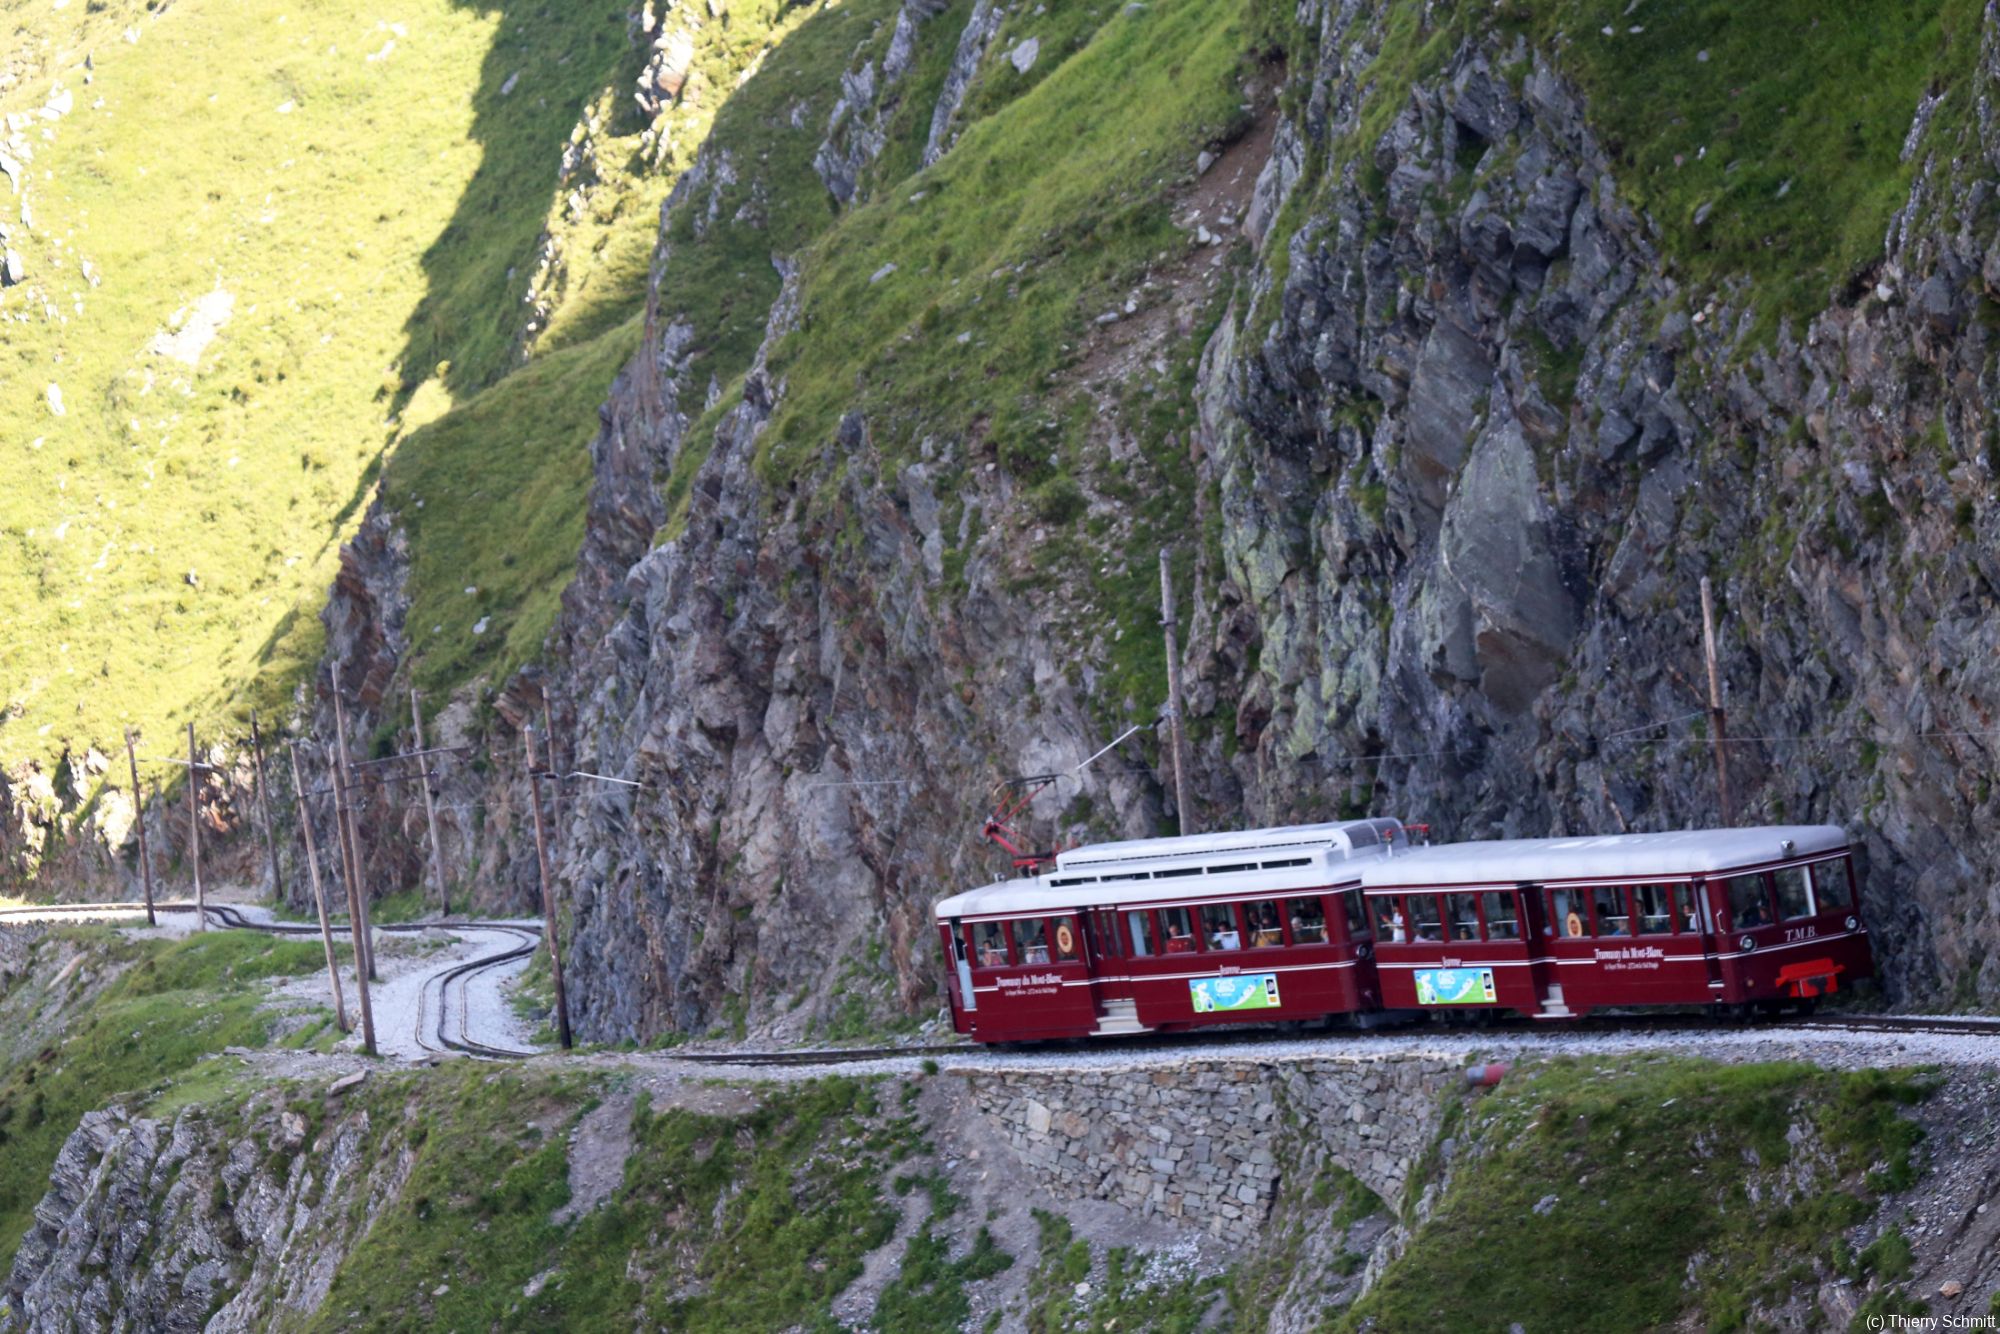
[1065, 939]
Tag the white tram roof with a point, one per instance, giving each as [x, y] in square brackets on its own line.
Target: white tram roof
[1266, 861]
[1672, 855]
[1341, 837]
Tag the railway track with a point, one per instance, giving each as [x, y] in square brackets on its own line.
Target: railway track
[1200, 1044]
[442, 1000]
[455, 981]
[441, 997]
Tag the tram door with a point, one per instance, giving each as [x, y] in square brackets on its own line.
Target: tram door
[1712, 944]
[1535, 923]
[967, 998]
[1100, 929]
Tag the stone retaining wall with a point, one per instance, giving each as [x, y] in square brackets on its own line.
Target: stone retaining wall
[1209, 1141]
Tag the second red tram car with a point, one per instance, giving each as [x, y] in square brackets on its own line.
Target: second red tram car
[1348, 918]
[1557, 927]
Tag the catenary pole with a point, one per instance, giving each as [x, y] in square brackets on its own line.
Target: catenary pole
[430, 810]
[1178, 736]
[139, 822]
[343, 784]
[194, 833]
[548, 895]
[319, 894]
[1718, 734]
[264, 807]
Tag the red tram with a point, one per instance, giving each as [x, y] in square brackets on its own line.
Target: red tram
[1557, 927]
[1348, 919]
[1168, 934]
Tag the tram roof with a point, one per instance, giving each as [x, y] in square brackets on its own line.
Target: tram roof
[1154, 870]
[1342, 836]
[1603, 856]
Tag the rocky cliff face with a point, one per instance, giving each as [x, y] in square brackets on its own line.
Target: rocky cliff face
[190, 1226]
[1451, 437]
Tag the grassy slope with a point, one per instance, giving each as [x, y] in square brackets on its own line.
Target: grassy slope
[1053, 203]
[1646, 1159]
[1785, 121]
[358, 211]
[178, 1004]
[378, 235]
[1790, 128]
[1049, 205]
[723, 1222]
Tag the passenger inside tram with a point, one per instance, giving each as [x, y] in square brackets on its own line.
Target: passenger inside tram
[989, 944]
[1218, 923]
[1308, 922]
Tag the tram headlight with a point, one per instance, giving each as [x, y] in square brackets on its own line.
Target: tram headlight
[1853, 923]
[1746, 944]
[1361, 950]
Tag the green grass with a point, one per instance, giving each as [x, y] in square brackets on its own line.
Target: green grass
[178, 1004]
[504, 520]
[723, 1223]
[928, 1292]
[254, 148]
[378, 224]
[1125, 1301]
[1789, 131]
[1023, 234]
[1647, 1159]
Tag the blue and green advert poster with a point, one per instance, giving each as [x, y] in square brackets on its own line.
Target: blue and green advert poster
[1251, 991]
[1455, 986]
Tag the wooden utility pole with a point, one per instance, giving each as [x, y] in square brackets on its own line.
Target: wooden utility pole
[548, 895]
[343, 790]
[264, 806]
[194, 833]
[1174, 704]
[139, 821]
[430, 808]
[1718, 736]
[319, 894]
[549, 731]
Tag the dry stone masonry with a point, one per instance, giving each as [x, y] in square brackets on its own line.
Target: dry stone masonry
[1210, 1142]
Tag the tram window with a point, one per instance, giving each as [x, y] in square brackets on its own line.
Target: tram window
[989, 944]
[1357, 916]
[1687, 905]
[1219, 926]
[1569, 912]
[1749, 900]
[1264, 923]
[1461, 920]
[1501, 921]
[1794, 899]
[1309, 921]
[1614, 911]
[1063, 936]
[1390, 923]
[1656, 909]
[1031, 940]
[1180, 930]
[1829, 882]
[1144, 941]
[1424, 923]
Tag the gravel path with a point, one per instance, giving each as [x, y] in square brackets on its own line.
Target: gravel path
[409, 962]
[409, 965]
[1832, 1049]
